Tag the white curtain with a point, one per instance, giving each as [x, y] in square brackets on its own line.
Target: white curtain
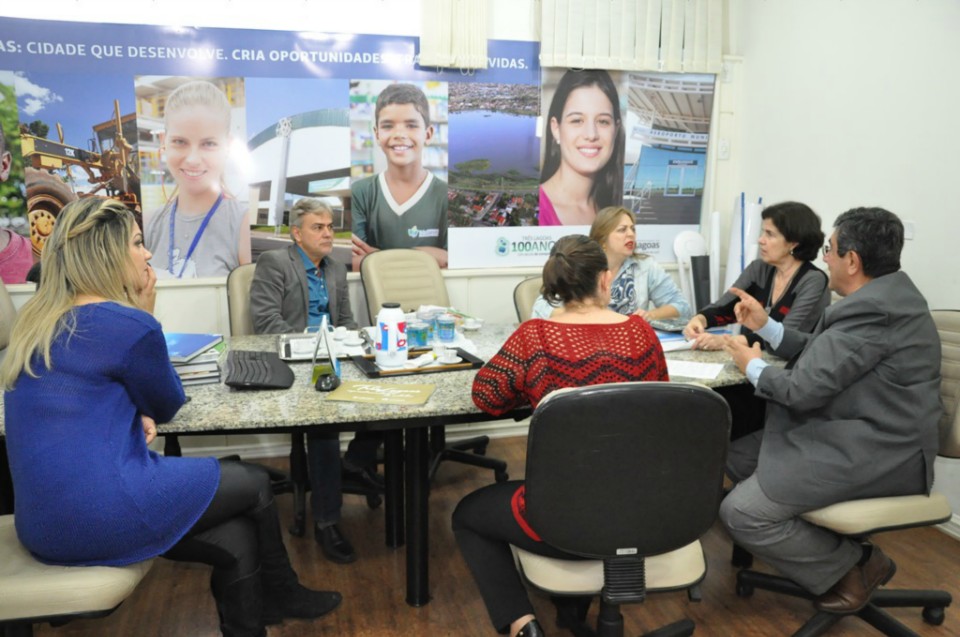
[454, 34]
[679, 36]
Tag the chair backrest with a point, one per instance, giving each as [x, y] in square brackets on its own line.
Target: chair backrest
[8, 315]
[409, 277]
[238, 299]
[525, 295]
[635, 467]
[948, 325]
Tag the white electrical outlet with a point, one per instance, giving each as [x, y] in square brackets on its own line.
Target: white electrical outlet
[723, 149]
[908, 230]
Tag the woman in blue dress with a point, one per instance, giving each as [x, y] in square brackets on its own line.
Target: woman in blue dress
[87, 379]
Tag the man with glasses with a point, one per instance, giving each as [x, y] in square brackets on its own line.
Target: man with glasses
[853, 415]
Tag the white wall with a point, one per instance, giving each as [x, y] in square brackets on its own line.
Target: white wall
[855, 103]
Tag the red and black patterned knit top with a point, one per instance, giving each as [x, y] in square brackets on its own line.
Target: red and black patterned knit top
[543, 355]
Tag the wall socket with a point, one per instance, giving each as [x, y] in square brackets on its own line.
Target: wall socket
[908, 230]
[723, 149]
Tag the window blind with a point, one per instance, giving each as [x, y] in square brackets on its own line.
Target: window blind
[679, 36]
[454, 34]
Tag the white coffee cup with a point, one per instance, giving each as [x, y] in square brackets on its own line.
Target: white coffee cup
[448, 356]
[340, 333]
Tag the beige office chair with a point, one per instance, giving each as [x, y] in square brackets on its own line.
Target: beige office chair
[413, 278]
[525, 295]
[630, 476]
[862, 518]
[238, 299]
[34, 593]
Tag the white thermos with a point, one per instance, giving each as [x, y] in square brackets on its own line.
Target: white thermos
[391, 342]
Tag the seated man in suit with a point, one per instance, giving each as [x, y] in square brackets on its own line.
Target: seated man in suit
[294, 288]
[853, 415]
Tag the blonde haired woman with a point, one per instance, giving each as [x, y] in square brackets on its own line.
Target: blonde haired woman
[638, 281]
[201, 230]
[87, 377]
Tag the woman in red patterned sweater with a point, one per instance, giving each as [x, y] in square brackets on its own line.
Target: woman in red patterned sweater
[587, 344]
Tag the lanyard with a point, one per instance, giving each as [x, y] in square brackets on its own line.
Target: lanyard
[196, 237]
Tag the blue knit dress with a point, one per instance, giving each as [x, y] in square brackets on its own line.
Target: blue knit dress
[87, 489]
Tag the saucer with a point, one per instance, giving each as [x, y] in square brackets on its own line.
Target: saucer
[353, 342]
[339, 336]
[472, 327]
[450, 361]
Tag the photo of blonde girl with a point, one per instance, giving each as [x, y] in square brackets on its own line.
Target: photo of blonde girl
[202, 229]
[583, 150]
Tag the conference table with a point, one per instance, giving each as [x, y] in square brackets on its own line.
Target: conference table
[218, 409]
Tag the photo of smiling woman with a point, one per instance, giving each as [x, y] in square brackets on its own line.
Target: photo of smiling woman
[202, 229]
[583, 150]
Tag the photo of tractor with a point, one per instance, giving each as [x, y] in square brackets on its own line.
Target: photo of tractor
[110, 163]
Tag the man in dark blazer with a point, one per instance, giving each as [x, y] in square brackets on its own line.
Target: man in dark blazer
[293, 288]
[853, 415]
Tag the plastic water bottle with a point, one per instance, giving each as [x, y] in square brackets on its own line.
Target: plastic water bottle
[391, 342]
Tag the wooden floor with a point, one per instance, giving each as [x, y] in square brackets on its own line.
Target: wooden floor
[174, 599]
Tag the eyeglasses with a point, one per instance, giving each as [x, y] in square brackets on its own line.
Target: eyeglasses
[827, 249]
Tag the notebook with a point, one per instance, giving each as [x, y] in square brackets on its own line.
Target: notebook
[184, 346]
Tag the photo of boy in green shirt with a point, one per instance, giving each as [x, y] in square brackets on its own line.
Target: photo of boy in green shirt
[404, 206]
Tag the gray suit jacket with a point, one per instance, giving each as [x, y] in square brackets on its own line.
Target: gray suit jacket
[279, 293]
[855, 414]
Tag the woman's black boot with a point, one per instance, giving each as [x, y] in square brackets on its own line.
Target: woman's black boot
[239, 606]
[283, 594]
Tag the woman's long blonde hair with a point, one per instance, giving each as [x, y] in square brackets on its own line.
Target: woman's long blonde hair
[88, 253]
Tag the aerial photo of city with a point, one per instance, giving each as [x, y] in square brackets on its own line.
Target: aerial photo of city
[494, 154]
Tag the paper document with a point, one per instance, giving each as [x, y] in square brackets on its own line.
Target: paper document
[673, 341]
[382, 393]
[692, 369]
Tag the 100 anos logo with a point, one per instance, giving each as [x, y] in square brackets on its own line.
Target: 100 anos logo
[527, 247]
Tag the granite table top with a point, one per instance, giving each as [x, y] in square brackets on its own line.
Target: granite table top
[217, 408]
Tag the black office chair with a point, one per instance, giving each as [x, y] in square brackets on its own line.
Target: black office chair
[412, 278]
[861, 518]
[628, 475]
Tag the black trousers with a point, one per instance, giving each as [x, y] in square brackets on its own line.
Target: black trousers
[484, 526]
[747, 411]
[227, 535]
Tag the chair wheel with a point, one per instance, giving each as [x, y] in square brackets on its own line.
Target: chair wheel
[501, 476]
[744, 590]
[694, 594]
[374, 501]
[933, 615]
[298, 528]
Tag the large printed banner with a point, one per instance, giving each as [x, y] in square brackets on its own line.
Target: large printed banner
[213, 134]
